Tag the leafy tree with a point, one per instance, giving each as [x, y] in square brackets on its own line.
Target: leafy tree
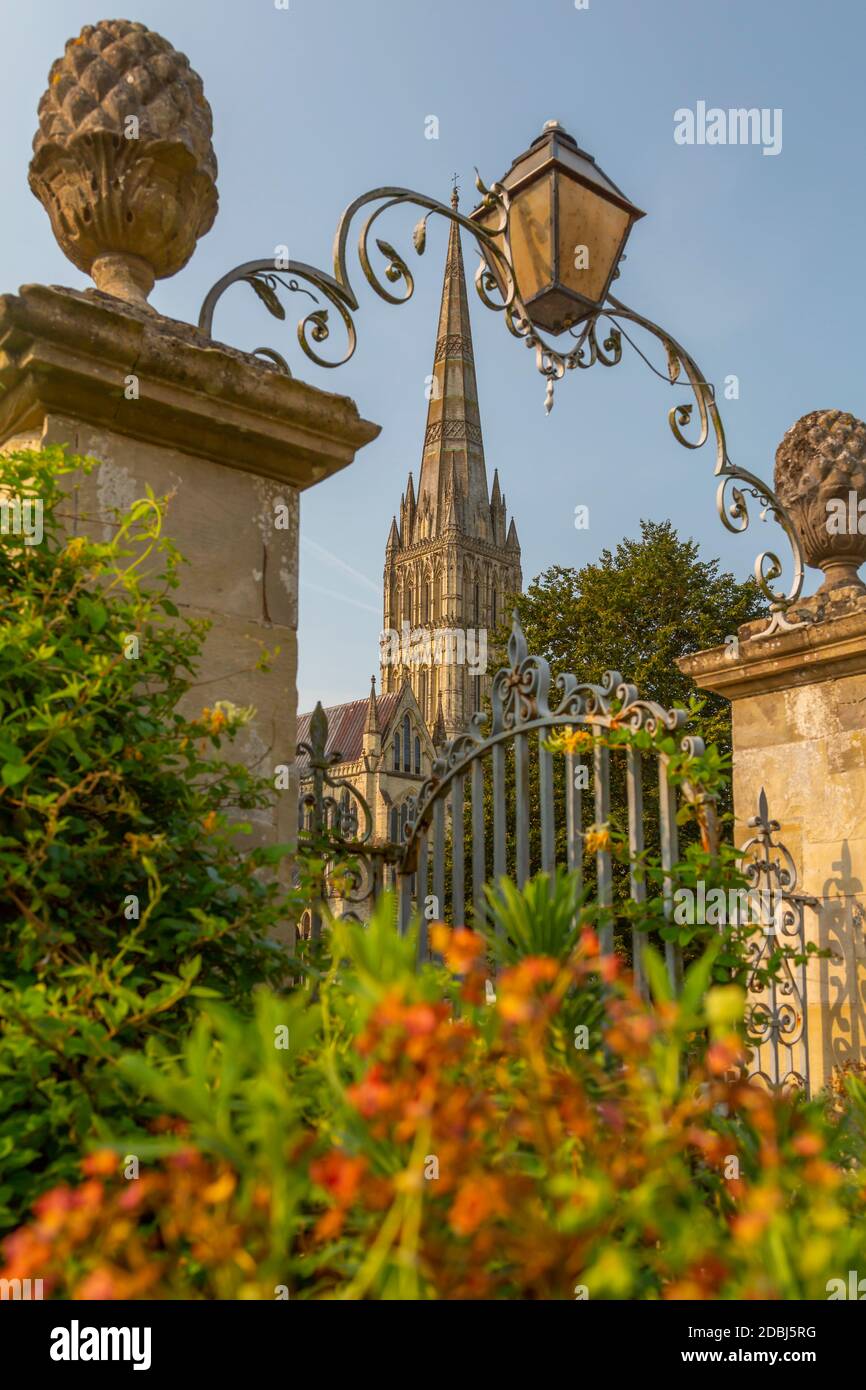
[636, 610]
[124, 897]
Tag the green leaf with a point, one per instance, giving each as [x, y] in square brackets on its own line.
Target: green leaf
[13, 773]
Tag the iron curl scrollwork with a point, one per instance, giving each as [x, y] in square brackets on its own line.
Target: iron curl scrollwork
[497, 286]
[776, 1017]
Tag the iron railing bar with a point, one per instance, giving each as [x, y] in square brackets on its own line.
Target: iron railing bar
[478, 870]
[601, 789]
[439, 858]
[458, 906]
[521, 806]
[499, 860]
[574, 817]
[421, 896]
[670, 852]
[545, 792]
[637, 882]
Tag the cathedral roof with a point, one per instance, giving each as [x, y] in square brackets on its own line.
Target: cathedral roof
[346, 727]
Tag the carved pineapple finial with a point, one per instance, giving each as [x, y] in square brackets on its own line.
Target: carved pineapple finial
[123, 161]
[821, 479]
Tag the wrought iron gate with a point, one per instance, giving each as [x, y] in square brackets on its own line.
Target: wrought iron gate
[573, 812]
[522, 714]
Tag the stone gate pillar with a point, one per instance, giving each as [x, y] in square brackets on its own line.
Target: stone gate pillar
[798, 702]
[124, 165]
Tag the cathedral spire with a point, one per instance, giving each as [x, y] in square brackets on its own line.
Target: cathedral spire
[452, 439]
[440, 734]
[451, 556]
[372, 724]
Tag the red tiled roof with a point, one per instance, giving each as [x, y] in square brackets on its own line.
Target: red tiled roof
[346, 727]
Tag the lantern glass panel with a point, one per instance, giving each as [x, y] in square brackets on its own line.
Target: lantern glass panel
[588, 221]
[530, 232]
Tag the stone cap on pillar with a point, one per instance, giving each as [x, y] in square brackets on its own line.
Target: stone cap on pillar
[831, 644]
[71, 353]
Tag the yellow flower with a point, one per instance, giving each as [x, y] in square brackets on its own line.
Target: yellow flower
[569, 741]
[214, 720]
[225, 715]
[142, 844]
[597, 839]
[74, 548]
[221, 1189]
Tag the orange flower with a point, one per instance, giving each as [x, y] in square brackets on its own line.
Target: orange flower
[608, 968]
[419, 1020]
[597, 839]
[516, 990]
[808, 1144]
[460, 946]
[589, 941]
[101, 1164]
[100, 1284]
[209, 822]
[221, 1189]
[478, 1199]
[339, 1175]
[53, 1208]
[723, 1056]
[371, 1094]
[329, 1224]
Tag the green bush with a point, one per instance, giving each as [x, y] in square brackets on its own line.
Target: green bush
[124, 896]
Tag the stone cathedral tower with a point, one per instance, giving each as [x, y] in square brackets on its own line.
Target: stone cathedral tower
[451, 560]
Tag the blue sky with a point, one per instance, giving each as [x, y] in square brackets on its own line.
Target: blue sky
[755, 263]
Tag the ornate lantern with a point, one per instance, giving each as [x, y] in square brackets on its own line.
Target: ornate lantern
[567, 228]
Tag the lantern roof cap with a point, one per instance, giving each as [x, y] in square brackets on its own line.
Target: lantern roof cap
[555, 147]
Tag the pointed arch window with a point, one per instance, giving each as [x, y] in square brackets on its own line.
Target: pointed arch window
[493, 614]
[422, 694]
[417, 754]
[394, 819]
[407, 744]
[396, 752]
[407, 606]
[425, 601]
[476, 602]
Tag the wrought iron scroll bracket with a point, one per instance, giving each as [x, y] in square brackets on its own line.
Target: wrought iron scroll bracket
[497, 287]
